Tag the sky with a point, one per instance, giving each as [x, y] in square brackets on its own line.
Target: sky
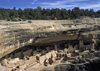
[68, 4]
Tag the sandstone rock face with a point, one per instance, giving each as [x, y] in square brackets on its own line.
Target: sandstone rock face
[13, 36]
[4, 62]
[14, 60]
[32, 59]
[3, 68]
[42, 59]
[22, 67]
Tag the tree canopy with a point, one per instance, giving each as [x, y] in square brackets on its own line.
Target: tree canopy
[47, 14]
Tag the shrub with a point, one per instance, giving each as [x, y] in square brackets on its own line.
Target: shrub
[0, 16]
[29, 21]
[13, 19]
[70, 26]
[24, 19]
[8, 19]
[19, 19]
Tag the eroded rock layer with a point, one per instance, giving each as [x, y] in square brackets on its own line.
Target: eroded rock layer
[41, 42]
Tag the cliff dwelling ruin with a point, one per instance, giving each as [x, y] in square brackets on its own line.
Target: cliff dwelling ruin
[45, 45]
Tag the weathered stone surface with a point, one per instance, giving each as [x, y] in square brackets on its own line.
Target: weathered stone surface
[32, 59]
[65, 50]
[38, 27]
[69, 55]
[11, 65]
[51, 54]
[13, 60]
[28, 52]
[42, 59]
[22, 67]
[70, 49]
[3, 68]
[4, 62]
[76, 51]
[43, 52]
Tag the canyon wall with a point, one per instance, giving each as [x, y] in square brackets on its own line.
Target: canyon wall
[14, 35]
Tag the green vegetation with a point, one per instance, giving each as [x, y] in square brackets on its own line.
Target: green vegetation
[0, 16]
[19, 19]
[14, 19]
[46, 14]
[29, 21]
[8, 19]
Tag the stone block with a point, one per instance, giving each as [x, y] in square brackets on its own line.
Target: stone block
[43, 52]
[70, 49]
[76, 51]
[65, 50]
[32, 59]
[42, 59]
[11, 65]
[22, 67]
[48, 55]
[53, 53]
[14, 60]
[69, 55]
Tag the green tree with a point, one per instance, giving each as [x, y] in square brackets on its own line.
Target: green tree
[53, 17]
[44, 17]
[38, 14]
[64, 14]
[86, 12]
[7, 14]
[98, 13]
[91, 13]
[69, 13]
[39, 8]
[0, 16]
[14, 8]
[76, 12]
[82, 12]
[30, 17]
[23, 17]
[12, 17]
[20, 12]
